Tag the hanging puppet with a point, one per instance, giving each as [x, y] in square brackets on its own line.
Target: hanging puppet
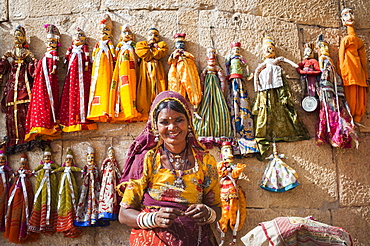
[122, 98]
[20, 206]
[213, 126]
[183, 74]
[274, 114]
[41, 121]
[232, 196]
[44, 214]
[103, 57]
[75, 95]
[108, 196]
[152, 78]
[5, 172]
[67, 197]
[309, 70]
[87, 207]
[238, 101]
[336, 126]
[278, 176]
[353, 67]
[17, 91]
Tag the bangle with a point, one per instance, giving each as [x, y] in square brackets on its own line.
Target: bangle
[211, 215]
[146, 220]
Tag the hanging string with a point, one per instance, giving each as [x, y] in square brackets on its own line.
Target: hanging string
[210, 35]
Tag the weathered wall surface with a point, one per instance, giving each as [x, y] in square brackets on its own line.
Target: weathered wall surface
[335, 184]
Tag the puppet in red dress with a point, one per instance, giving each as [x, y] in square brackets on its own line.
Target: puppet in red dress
[75, 96]
[42, 114]
[5, 172]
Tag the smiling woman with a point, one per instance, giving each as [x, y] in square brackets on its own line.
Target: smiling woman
[169, 186]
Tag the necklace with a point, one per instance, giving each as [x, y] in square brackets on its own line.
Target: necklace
[176, 162]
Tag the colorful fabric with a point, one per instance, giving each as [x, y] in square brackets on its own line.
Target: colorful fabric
[122, 98]
[152, 80]
[232, 197]
[289, 231]
[17, 96]
[75, 95]
[103, 57]
[215, 125]
[87, 207]
[5, 172]
[19, 209]
[309, 70]
[356, 97]
[67, 202]
[183, 77]
[278, 176]
[108, 196]
[44, 214]
[43, 109]
[275, 118]
[335, 125]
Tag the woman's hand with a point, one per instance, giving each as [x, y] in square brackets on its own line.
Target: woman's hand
[166, 216]
[198, 212]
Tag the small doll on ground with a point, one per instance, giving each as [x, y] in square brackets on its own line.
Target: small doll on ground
[103, 57]
[232, 196]
[335, 126]
[75, 95]
[42, 113]
[20, 206]
[87, 207]
[122, 98]
[275, 117]
[152, 78]
[183, 74]
[44, 214]
[238, 101]
[17, 91]
[108, 196]
[5, 172]
[67, 197]
[213, 125]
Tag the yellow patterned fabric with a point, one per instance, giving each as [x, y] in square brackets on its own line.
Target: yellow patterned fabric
[158, 182]
[183, 78]
[152, 79]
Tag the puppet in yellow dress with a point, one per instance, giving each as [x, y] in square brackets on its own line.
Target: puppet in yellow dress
[232, 196]
[103, 57]
[152, 79]
[183, 74]
[122, 99]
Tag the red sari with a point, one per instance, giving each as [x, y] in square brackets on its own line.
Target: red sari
[41, 116]
[75, 96]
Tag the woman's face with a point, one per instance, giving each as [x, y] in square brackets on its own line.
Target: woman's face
[172, 126]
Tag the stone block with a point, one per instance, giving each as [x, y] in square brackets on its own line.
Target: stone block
[40, 8]
[4, 10]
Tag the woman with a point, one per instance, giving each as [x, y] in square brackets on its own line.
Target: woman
[169, 186]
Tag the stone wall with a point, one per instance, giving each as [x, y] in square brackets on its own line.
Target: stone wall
[334, 183]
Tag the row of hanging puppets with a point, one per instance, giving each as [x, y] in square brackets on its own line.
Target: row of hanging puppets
[120, 83]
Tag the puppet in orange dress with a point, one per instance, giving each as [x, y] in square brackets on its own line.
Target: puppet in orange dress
[232, 196]
[75, 95]
[20, 205]
[183, 74]
[353, 67]
[122, 98]
[5, 172]
[41, 121]
[17, 90]
[103, 57]
[152, 79]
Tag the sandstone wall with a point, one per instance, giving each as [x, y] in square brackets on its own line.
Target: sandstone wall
[335, 184]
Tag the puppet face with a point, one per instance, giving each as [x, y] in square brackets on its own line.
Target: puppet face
[52, 43]
[324, 49]
[153, 36]
[90, 158]
[106, 32]
[2, 160]
[235, 51]
[47, 158]
[19, 37]
[268, 51]
[127, 36]
[69, 161]
[111, 154]
[348, 17]
[227, 153]
[308, 53]
[180, 45]
[23, 164]
[79, 38]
